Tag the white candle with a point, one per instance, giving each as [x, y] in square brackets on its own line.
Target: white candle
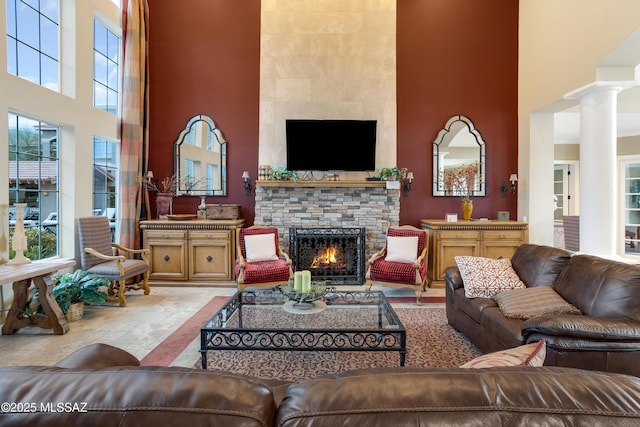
[306, 281]
[297, 281]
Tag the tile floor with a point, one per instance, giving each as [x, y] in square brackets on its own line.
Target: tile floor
[137, 328]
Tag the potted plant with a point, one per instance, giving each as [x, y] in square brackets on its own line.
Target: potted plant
[393, 174]
[72, 290]
[282, 174]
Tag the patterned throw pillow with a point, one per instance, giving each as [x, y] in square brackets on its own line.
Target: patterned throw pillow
[526, 355]
[533, 302]
[486, 277]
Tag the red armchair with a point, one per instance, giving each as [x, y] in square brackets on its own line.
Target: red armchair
[402, 262]
[260, 261]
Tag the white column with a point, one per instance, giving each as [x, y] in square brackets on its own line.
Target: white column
[598, 171]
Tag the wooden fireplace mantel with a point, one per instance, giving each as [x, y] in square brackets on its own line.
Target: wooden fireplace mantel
[321, 183]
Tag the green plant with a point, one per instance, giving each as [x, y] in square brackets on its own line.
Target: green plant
[393, 173]
[282, 174]
[72, 288]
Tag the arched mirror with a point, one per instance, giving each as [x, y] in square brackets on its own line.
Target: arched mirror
[459, 167]
[201, 159]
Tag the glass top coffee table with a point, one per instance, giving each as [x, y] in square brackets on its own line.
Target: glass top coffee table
[264, 319]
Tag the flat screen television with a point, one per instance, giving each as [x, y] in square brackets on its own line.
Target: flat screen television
[331, 145]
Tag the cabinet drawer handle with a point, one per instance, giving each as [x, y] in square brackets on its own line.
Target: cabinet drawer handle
[167, 257]
[209, 258]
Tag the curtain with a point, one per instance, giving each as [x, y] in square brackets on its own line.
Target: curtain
[134, 148]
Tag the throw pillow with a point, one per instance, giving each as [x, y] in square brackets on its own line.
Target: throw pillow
[526, 355]
[533, 302]
[486, 277]
[260, 247]
[402, 249]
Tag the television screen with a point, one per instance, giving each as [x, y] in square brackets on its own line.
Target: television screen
[331, 145]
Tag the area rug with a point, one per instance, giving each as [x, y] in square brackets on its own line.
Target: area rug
[431, 342]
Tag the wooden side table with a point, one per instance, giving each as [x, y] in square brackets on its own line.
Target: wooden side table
[21, 275]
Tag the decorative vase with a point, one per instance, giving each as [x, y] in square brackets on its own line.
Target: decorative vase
[19, 240]
[164, 204]
[467, 209]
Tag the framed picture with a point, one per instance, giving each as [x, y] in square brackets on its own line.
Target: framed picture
[503, 215]
[451, 217]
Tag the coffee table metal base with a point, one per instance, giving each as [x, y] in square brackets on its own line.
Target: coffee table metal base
[389, 335]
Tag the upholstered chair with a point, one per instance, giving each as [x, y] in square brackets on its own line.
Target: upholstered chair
[402, 262]
[260, 261]
[98, 255]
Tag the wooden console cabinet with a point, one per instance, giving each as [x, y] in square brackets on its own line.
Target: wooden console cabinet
[490, 239]
[197, 251]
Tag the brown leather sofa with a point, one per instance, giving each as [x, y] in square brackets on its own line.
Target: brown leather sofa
[605, 337]
[103, 386]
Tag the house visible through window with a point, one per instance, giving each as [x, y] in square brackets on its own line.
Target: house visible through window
[33, 179]
[105, 177]
[105, 68]
[631, 207]
[33, 35]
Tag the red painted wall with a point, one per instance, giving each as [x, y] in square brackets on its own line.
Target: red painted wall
[456, 57]
[205, 59]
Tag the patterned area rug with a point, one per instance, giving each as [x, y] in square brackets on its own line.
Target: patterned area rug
[431, 342]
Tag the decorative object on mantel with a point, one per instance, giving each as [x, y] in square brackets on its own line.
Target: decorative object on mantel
[263, 172]
[282, 174]
[467, 209]
[19, 240]
[393, 174]
[165, 190]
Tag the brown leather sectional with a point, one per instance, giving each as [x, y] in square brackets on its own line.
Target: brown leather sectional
[605, 337]
[101, 385]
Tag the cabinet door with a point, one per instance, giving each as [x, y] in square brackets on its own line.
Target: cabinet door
[449, 249]
[503, 244]
[210, 255]
[168, 259]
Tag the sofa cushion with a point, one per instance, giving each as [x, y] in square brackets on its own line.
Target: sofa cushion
[525, 355]
[485, 277]
[533, 302]
[539, 265]
[473, 307]
[601, 287]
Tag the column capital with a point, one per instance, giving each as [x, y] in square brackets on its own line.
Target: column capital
[599, 87]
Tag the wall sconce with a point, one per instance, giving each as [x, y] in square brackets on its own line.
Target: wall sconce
[406, 184]
[247, 182]
[513, 178]
[149, 179]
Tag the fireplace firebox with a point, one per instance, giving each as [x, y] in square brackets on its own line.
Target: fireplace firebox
[331, 254]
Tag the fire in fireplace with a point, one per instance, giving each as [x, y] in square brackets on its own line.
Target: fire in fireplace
[335, 254]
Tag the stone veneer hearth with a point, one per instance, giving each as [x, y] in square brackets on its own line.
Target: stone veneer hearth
[367, 204]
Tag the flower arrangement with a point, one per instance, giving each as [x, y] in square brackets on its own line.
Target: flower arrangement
[461, 180]
[164, 185]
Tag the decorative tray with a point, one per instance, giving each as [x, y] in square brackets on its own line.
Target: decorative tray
[318, 291]
[182, 217]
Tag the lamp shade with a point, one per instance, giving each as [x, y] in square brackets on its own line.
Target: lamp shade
[513, 178]
[246, 176]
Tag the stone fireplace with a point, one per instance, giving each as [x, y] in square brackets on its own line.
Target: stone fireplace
[328, 204]
[333, 254]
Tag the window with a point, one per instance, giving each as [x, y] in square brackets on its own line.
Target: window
[105, 178]
[106, 48]
[33, 35]
[33, 179]
[631, 208]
